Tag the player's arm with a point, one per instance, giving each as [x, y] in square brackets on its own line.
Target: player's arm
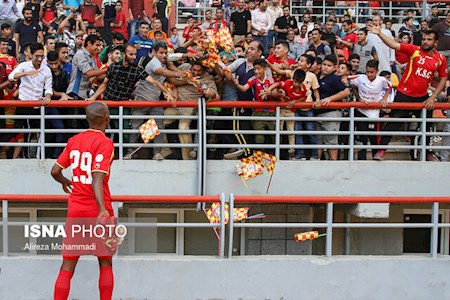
[168, 73]
[56, 173]
[391, 43]
[97, 188]
[429, 103]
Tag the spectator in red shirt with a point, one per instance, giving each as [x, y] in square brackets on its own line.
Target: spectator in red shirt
[49, 16]
[188, 31]
[219, 22]
[259, 85]
[120, 24]
[90, 12]
[280, 58]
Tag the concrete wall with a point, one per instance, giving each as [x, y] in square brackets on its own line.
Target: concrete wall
[144, 177]
[249, 278]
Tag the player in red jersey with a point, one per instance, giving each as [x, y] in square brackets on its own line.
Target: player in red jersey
[423, 62]
[90, 155]
[9, 61]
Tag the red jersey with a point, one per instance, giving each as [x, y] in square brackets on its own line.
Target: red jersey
[89, 11]
[276, 61]
[87, 152]
[120, 16]
[258, 89]
[49, 13]
[420, 70]
[9, 61]
[291, 92]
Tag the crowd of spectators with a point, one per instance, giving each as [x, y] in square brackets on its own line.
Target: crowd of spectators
[54, 52]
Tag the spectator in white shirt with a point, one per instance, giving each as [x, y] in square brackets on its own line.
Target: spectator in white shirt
[275, 11]
[35, 83]
[9, 13]
[261, 22]
[386, 55]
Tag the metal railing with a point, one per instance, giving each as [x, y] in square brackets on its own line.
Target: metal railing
[201, 133]
[319, 12]
[329, 225]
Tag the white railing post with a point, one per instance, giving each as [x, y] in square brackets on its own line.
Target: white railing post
[329, 237]
[434, 229]
[5, 226]
[231, 226]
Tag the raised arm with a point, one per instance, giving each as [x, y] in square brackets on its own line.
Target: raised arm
[391, 43]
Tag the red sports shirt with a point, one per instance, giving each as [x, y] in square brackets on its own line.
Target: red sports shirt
[87, 152]
[9, 61]
[291, 93]
[276, 61]
[420, 70]
[258, 89]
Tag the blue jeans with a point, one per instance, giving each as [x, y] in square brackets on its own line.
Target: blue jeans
[265, 42]
[133, 27]
[56, 124]
[271, 35]
[308, 126]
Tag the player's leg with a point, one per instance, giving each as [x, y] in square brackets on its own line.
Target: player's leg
[62, 285]
[106, 279]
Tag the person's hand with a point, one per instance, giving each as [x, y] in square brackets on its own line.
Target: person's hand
[384, 102]
[45, 100]
[195, 55]
[111, 24]
[67, 186]
[316, 104]
[429, 103]
[326, 101]
[138, 46]
[338, 39]
[129, 20]
[374, 28]
[290, 104]
[72, 9]
[172, 99]
[32, 73]
[103, 216]
[65, 97]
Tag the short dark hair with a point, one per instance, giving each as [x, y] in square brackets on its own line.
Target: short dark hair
[408, 18]
[431, 31]
[349, 22]
[26, 8]
[91, 39]
[49, 37]
[118, 1]
[373, 63]
[159, 44]
[219, 8]
[198, 63]
[299, 75]
[239, 46]
[319, 60]
[286, 6]
[118, 36]
[309, 59]
[26, 46]
[5, 26]
[346, 64]
[143, 23]
[89, 27]
[52, 56]
[354, 56]
[126, 45]
[35, 47]
[58, 46]
[260, 62]
[403, 34]
[318, 30]
[282, 42]
[313, 51]
[364, 29]
[173, 28]
[385, 73]
[4, 40]
[157, 32]
[331, 58]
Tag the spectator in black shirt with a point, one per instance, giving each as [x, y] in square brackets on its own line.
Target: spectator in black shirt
[27, 32]
[6, 33]
[328, 35]
[109, 16]
[240, 23]
[284, 23]
[35, 7]
[59, 84]
[417, 36]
